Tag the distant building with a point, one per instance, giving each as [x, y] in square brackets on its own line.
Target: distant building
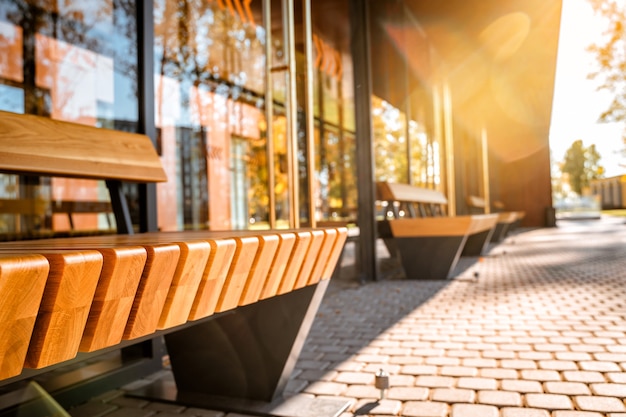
[611, 191]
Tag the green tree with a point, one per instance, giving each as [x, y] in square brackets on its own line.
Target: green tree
[581, 164]
[610, 56]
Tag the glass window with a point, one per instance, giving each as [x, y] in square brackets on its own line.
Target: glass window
[74, 60]
[209, 88]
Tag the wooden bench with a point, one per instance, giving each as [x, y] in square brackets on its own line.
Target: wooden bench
[233, 307]
[429, 242]
[507, 220]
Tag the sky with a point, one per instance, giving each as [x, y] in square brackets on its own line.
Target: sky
[577, 103]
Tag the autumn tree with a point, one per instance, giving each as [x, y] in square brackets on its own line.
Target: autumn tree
[581, 164]
[610, 55]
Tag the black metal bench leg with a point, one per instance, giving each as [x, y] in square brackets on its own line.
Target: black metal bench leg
[241, 361]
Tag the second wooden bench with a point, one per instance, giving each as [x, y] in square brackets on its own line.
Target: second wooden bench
[428, 241]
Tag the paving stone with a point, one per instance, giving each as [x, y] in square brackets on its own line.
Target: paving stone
[520, 385]
[479, 362]
[313, 364]
[536, 356]
[609, 390]
[610, 357]
[425, 409]
[518, 364]
[540, 375]
[164, 407]
[295, 386]
[587, 377]
[474, 410]
[499, 354]
[453, 395]
[477, 383]
[406, 360]
[549, 401]
[458, 371]
[131, 412]
[523, 412]
[355, 378]
[401, 380]
[92, 409]
[407, 393]
[419, 370]
[324, 387]
[558, 365]
[129, 402]
[442, 361]
[617, 377]
[434, 381]
[500, 398]
[600, 404]
[198, 412]
[599, 366]
[317, 375]
[499, 373]
[566, 413]
[362, 391]
[573, 356]
[566, 388]
[108, 396]
[381, 407]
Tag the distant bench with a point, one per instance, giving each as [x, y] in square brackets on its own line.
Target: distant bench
[234, 307]
[507, 220]
[428, 241]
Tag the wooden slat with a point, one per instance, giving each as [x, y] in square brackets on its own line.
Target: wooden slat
[152, 291]
[39, 145]
[22, 283]
[213, 278]
[113, 300]
[268, 245]
[507, 217]
[238, 274]
[431, 226]
[71, 286]
[482, 222]
[189, 271]
[330, 237]
[409, 193]
[335, 254]
[303, 240]
[304, 274]
[287, 242]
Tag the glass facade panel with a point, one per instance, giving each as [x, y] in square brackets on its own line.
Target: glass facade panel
[74, 60]
[209, 85]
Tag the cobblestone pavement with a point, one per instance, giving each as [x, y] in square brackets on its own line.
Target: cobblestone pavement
[536, 328]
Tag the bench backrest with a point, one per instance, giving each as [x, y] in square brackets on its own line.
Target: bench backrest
[429, 202]
[475, 201]
[41, 146]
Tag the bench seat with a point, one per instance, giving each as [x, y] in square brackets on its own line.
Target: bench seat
[507, 220]
[429, 248]
[105, 289]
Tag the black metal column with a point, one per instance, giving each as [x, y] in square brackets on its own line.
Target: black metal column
[360, 45]
[145, 47]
